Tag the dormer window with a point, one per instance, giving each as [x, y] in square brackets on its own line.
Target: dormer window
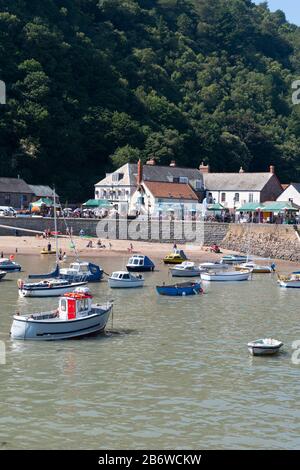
[183, 179]
[199, 184]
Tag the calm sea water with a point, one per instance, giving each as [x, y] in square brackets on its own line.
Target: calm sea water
[170, 373]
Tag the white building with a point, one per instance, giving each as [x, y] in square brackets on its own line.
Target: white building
[233, 190]
[291, 193]
[118, 187]
[152, 197]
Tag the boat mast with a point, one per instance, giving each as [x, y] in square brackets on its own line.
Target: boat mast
[55, 226]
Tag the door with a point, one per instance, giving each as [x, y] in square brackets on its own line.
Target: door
[71, 309]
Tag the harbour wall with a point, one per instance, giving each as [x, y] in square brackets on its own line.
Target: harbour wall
[162, 231]
[269, 241]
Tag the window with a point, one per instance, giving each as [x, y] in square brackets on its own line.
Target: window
[250, 197]
[237, 197]
[199, 184]
[7, 199]
[223, 197]
[97, 194]
[115, 177]
[183, 179]
[24, 198]
[63, 305]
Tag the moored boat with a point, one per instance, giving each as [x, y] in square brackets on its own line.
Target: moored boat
[264, 347]
[291, 281]
[76, 316]
[44, 251]
[186, 269]
[177, 257]
[82, 271]
[47, 288]
[227, 276]
[182, 289]
[140, 263]
[2, 274]
[9, 265]
[124, 279]
[213, 266]
[234, 259]
[256, 268]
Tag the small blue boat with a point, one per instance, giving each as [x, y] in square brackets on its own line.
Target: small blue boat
[182, 289]
[140, 263]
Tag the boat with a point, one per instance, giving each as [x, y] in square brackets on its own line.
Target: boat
[290, 281]
[44, 251]
[235, 259]
[177, 257]
[256, 268]
[75, 316]
[53, 274]
[227, 276]
[263, 347]
[213, 265]
[81, 271]
[124, 279]
[182, 289]
[2, 274]
[186, 269]
[9, 265]
[47, 288]
[140, 263]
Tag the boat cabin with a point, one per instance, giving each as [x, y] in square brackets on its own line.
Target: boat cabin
[121, 275]
[77, 268]
[74, 305]
[140, 262]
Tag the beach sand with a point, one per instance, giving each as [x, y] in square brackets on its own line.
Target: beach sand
[24, 245]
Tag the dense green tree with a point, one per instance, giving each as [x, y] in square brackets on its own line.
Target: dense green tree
[93, 84]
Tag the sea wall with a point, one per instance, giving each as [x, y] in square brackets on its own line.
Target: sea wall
[274, 241]
[157, 231]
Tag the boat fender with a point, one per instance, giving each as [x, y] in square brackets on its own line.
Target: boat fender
[20, 283]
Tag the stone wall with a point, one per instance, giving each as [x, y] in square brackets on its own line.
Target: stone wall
[274, 241]
[158, 231]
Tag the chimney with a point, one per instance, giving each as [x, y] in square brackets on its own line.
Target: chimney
[241, 170]
[139, 178]
[204, 168]
[272, 169]
[173, 163]
[151, 162]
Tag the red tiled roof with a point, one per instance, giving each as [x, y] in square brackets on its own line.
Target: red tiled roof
[171, 190]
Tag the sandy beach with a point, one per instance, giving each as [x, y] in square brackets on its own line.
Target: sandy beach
[11, 245]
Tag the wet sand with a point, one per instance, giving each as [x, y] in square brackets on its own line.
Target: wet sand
[23, 245]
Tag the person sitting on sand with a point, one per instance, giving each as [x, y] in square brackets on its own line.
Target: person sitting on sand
[90, 244]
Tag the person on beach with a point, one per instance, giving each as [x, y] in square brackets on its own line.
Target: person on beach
[49, 246]
[2, 255]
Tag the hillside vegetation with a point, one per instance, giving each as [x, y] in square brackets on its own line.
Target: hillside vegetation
[92, 84]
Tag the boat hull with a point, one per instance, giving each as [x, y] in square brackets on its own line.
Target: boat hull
[11, 268]
[139, 269]
[290, 284]
[179, 291]
[49, 292]
[261, 351]
[35, 330]
[124, 283]
[185, 272]
[2, 275]
[173, 261]
[223, 277]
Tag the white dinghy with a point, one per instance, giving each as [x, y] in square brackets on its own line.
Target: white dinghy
[124, 279]
[213, 266]
[76, 316]
[227, 276]
[47, 287]
[264, 347]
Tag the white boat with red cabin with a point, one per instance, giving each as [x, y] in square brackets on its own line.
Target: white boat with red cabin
[75, 316]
